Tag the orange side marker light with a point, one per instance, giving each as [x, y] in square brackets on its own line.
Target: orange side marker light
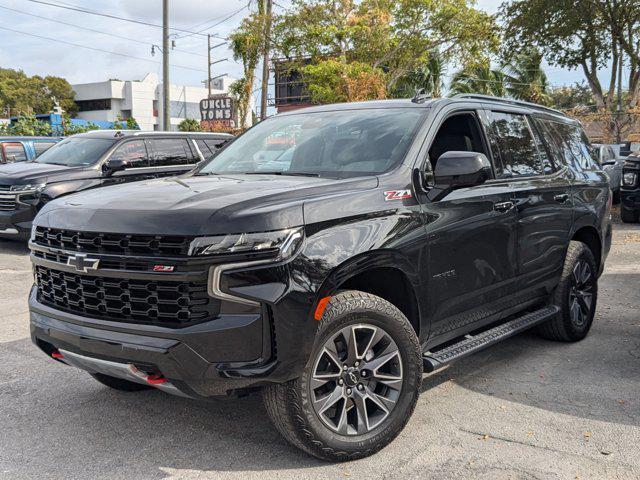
[322, 305]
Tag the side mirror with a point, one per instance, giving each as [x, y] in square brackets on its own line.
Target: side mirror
[608, 162]
[458, 170]
[115, 165]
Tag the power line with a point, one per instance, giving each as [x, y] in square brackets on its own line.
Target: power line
[95, 31]
[201, 32]
[57, 40]
[198, 25]
[108, 15]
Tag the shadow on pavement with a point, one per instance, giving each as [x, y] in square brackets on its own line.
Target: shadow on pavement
[16, 247]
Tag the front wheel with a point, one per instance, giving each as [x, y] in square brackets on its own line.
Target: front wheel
[360, 385]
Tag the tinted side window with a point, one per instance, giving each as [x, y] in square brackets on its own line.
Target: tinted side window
[517, 149]
[214, 145]
[41, 147]
[545, 155]
[171, 151]
[204, 148]
[574, 143]
[14, 152]
[135, 152]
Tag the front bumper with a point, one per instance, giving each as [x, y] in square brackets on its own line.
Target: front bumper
[198, 361]
[17, 223]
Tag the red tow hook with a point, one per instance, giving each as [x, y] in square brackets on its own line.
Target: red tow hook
[155, 379]
[57, 355]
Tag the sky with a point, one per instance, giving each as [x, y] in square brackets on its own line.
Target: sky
[57, 47]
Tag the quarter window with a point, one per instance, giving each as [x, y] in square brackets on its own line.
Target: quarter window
[516, 146]
[134, 152]
[204, 148]
[171, 151]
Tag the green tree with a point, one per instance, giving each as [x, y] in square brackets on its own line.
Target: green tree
[580, 34]
[525, 78]
[479, 77]
[132, 124]
[395, 36]
[576, 96]
[335, 81]
[28, 125]
[32, 95]
[428, 77]
[189, 125]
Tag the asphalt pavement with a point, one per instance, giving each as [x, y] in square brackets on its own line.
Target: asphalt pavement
[524, 409]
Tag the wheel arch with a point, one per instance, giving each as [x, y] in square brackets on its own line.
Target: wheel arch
[589, 235]
[384, 274]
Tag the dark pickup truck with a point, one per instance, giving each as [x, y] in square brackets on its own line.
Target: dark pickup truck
[95, 159]
[630, 189]
[327, 258]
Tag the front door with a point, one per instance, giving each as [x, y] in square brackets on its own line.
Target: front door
[472, 240]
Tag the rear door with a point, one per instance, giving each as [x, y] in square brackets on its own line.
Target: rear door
[541, 192]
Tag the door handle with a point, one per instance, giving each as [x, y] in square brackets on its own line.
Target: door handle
[563, 197]
[503, 206]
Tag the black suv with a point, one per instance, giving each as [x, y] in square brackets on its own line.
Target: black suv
[630, 189]
[95, 159]
[328, 257]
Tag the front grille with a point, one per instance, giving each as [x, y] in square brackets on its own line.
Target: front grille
[111, 264]
[7, 200]
[172, 304]
[113, 243]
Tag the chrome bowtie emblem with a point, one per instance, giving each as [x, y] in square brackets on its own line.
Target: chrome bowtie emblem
[353, 377]
[82, 263]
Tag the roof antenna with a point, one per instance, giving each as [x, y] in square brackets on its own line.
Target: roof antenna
[421, 96]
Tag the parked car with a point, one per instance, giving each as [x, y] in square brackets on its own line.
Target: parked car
[94, 159]
[401, 236]
[630, 191]
[24, 149]
[611, 163]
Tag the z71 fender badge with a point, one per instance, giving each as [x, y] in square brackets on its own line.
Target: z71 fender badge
[390, 195]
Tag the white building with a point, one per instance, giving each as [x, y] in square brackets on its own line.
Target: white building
[142, 99]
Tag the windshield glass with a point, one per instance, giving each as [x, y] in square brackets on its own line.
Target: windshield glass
[76, 151]
[343, 143]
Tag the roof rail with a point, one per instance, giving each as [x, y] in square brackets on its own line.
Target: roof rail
[490, 98]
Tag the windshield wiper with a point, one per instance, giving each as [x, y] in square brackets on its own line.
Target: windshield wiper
[204, 174]
[288, 174]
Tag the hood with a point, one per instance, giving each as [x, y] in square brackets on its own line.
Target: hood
[207, 205]
[20, 173]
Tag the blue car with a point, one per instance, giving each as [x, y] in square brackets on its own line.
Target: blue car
[23, 149]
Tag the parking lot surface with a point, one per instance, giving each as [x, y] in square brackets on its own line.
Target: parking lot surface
[526, 408]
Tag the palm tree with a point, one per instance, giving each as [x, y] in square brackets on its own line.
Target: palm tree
[479, 77]
[526, 80]
[427, 77]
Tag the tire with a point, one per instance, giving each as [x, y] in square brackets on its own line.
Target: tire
[119, 383]
[295, 407]
[576, 295]
[629, 216]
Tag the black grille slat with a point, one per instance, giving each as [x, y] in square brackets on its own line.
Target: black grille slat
[7, 199]
[110, 243]
[172, 304]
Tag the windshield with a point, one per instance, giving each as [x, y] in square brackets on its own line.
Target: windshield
[335, 144]
[76, 151]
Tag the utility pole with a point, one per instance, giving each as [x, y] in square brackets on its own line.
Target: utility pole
[166, 114]
[210, 63]
[265, 59]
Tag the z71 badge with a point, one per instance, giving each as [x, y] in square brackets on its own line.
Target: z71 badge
[396, 195]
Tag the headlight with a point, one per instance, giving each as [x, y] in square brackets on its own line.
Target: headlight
[30, 188]
[283, 243]
[629, 179]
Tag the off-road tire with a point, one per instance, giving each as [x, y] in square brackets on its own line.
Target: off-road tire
[119, 383]
[562, 328]
[629, 216]
[289, 405]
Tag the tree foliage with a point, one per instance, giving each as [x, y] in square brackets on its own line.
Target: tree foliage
[335, 81]
[27, 125]
[189, 125]
[579, 34]
[526, 79]
[427, 77]
[395, 36]
[22, 94]
[479, 77]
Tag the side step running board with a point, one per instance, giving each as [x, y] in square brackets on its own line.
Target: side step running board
[473, 343]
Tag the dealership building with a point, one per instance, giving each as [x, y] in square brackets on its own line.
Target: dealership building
[142, 100]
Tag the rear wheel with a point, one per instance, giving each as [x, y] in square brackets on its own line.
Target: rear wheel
[629, 216]
[359, 387]
[119, 383]
[576, 295]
